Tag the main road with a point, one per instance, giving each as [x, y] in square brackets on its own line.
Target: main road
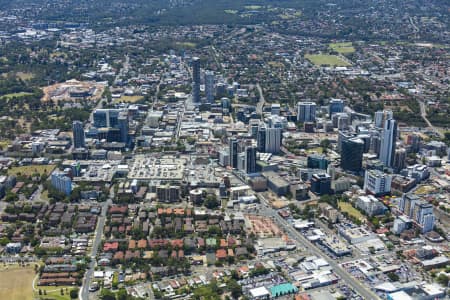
[84, 292]
[313, 250]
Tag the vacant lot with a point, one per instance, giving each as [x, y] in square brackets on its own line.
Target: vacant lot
[348, 208]
[424, 189]
[30, 170]
[129, 99]
[342, 48]
[326, 59]
[16, 283]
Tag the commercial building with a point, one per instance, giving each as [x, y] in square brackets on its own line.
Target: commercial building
[196, 80]
[276, 183]
[335, 106]
[233, 150]
[78, 134]
[273, 140]
[168, 193]
[352, 154]
[209, 86]
[317, 161]
[321, 184]
[250, 159]
[388, 140]
[377, 182]
[306, 112]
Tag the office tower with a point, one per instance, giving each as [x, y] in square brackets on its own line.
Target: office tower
[366, 139]
[275, 109]
[261, 138]
[241, 164]
[250, 159]
[343, 136]
[413, 140]
[106, 118]
[196, 80]
[377, 182]
[321, 184]
[407, 203]
[273, 140]
[209, 86]
[122, 123]
[388, 139]
[335, 106]
[306, 112]
[399, 162]
[352, 154]
[61, 182]
[233, 145]
[343, 122]
[375, 144]
[317, 161]
[78, 134]
[382, 116]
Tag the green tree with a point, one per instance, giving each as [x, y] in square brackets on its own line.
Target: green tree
[74, 293]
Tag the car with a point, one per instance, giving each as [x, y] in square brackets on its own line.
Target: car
[94, 287]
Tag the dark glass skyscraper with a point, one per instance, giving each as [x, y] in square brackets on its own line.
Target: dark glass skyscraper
[78, 134]
[196, 79]
[352, 154]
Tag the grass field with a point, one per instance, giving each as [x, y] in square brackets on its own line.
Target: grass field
[30, 170]
[25, 75]
[16, 283]
[9, 96]
[424, 189]
[343, 48]
[317, 150]
[348, 208]
[326, 59]
[129, 99]
[53, 292]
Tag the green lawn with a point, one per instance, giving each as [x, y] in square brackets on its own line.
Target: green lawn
[30, 170]
[129, 99]
[343, 48]
[12, 95]
[53, 292]
[326, 59]
[348, 208]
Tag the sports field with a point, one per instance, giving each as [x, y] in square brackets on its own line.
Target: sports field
[326, 59]
[343, 48]
[16, 283]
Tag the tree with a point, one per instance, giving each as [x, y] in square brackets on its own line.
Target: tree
[392, 276]
[74, 293]
[442, 279]
[211, 201]
[234, 288]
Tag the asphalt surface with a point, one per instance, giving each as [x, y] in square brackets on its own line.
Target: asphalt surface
[84, 292]
[313, 250]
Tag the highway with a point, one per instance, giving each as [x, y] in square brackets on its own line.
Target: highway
[365, 292]
[84, 291]
[262, 101]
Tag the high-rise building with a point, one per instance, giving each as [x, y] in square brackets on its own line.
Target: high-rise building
[343, 136]
[377, 182]
[352, 154]
[321, 184]
[399, 160]
[78, 134]
[233, 145]
[106, 117]
[61, 182]
[250, 159]
[261, 138]
[343, 122]
[122, 124]
[273, 140]
[388, 140]
[196, 80]
[413, 140]
[425, 217]
[209, 86]
[335, 106]
[306, 112]
[382, 116]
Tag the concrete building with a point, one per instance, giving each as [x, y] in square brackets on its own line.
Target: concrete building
[61, 182]
[352, 154]
[168, 193]
[321, 184]
[377, 182]
[209, 86]
[335, 106]
[370, 205]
